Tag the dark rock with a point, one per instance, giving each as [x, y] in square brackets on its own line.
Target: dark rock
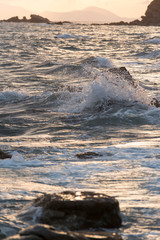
[119, 23]
[155, 103]
[24, 19]
[135, 22]
[46, 232]
[123, 73]
[151, 18]
[79, 210]
[2, 236]
[4, 155]
[34, 19]
[152, 15]
[88, 155]
[13, 19]
[38, 19]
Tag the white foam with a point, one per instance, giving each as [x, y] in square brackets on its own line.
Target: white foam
[106, 87]
[104, 62]
[11, 96]
[17, 161]
[67, 36]
[30, 214]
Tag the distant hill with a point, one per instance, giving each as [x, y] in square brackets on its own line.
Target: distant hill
[7, 11]
[90, 14]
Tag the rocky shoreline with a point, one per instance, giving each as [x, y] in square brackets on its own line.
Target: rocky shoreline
[33, 19]
[151, 18]
[46, 232]
[73, 215]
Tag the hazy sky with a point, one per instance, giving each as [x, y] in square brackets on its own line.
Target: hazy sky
[124, 8]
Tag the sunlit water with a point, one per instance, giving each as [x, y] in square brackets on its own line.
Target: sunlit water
[54, 90]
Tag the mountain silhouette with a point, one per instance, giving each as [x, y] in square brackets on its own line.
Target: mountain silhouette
[89, 14]
[7, 11]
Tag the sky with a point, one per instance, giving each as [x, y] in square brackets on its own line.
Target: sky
[123, 8]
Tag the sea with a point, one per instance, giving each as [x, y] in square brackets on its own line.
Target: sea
[58, 99]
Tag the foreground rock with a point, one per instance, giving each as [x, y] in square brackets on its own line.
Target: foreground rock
[46, 232]
[79, 210]
[4, 155]
[74, 216]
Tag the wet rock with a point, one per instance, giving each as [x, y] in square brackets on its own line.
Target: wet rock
[124, 73]
[2, 236]
[46, 232]
[4, 155]
[79, 210]
[155, 103]
[87, 155]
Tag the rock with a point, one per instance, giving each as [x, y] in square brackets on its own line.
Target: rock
[13, 19]
[151, 18]
[152, 14]
[88, 155]
[79, 210]
[34, 19]
[155, 103]
[38, 19]
[4, 155]
[46, 232]
[123, 73]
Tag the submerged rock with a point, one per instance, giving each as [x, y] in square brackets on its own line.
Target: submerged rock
[155, 103]
[4, 155]
[88, 155]
[46, 232]
[79, 210]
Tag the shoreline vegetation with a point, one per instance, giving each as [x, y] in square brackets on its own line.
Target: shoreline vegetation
[151, 18]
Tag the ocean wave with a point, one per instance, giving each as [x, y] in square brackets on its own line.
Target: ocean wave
[97, 61]
[12, 96]
[68, 36]
[106, 89]
[80, 66]
[149, 55]
[17, 161]
[153, 41]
